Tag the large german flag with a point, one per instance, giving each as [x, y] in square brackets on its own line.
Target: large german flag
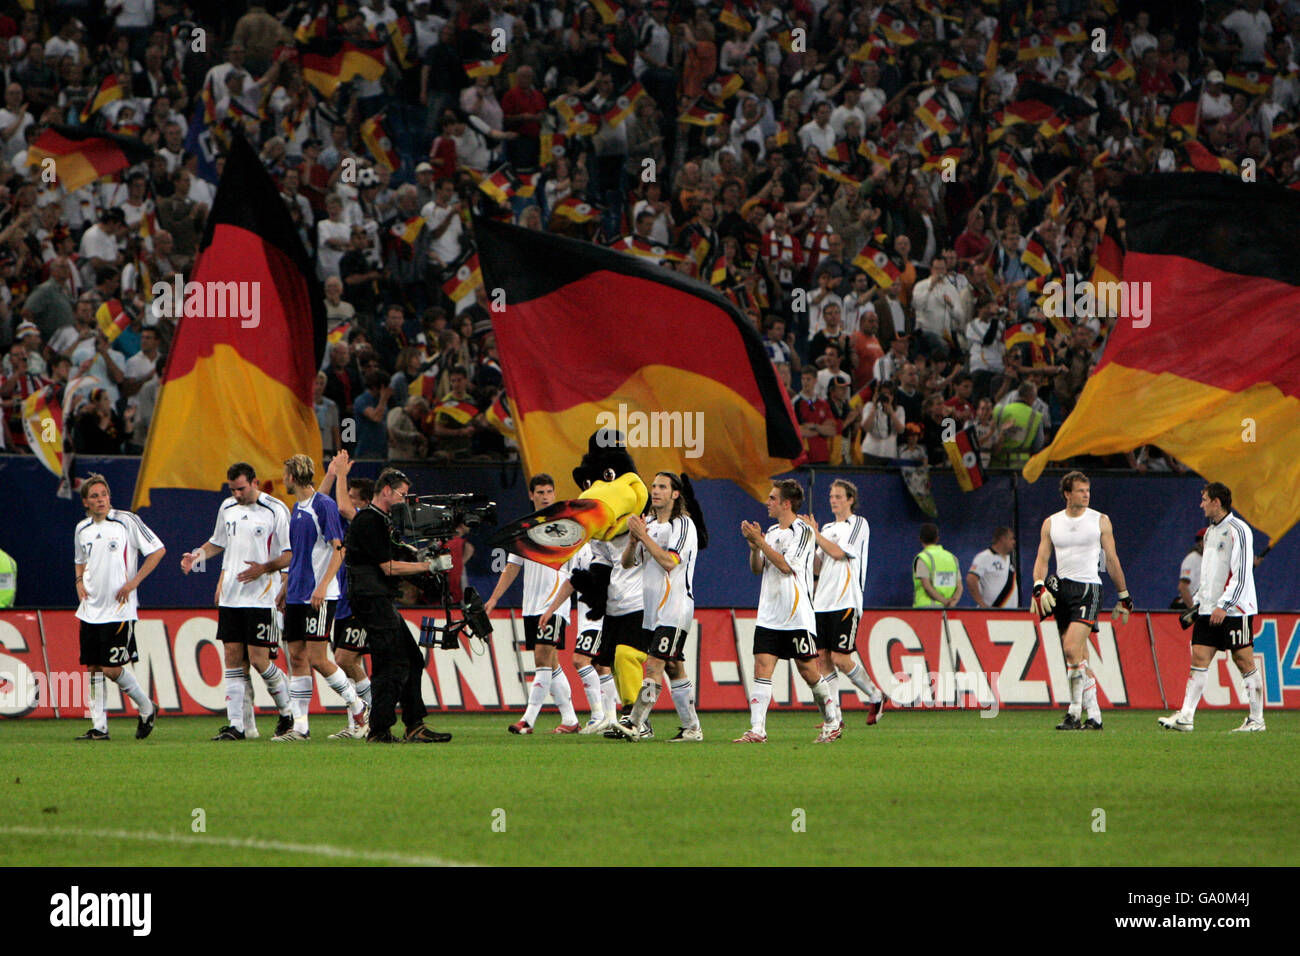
[82, 155]
[234, 391]
[1214, 378]
[587, 329]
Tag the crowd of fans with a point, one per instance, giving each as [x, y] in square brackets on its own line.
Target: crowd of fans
[861, 180]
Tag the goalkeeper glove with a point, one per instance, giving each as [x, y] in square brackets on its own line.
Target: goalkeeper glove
[1043, 601]
[1123, 607]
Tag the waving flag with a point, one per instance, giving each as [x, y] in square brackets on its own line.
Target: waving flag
[732, 16]
[328, 63]
[965, 461]
[465, 276]
[477, 68]
[112, 319]
[499, 417]
[108, 91]
[239, 387]
[377, 140]
[1189, 377]
[43, 423]
[610, 330]
[83, 155]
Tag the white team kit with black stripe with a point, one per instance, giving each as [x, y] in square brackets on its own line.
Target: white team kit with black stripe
[111, 550]
[785, 600]
[669, 595]
[258, 532]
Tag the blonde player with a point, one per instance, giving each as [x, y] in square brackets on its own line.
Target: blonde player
[837, 603]
[108, 546]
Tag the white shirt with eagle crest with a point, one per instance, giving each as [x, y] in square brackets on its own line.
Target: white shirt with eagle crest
[111, 550]
[785, 600]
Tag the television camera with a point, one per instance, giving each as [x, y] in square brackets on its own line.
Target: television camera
[422, 526]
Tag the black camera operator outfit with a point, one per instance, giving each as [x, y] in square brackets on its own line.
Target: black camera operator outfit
[396, 662]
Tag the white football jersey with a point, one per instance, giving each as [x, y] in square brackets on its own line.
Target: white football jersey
[1191, 570]
[997, 578]
[625, 595]
[785, 600]
[669, 596]
[1077, 545]
[1228, 568]
[111, 550]
[841, 582]
[541, 584]
[257, 532]
[581, 562]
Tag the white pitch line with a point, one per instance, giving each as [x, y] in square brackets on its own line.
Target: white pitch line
[250, 843]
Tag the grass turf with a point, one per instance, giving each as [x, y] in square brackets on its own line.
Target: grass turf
[920, 788]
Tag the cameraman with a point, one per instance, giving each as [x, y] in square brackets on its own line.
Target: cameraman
[395, 659]
[883, 421]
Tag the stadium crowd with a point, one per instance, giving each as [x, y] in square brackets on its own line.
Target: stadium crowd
[884, 190]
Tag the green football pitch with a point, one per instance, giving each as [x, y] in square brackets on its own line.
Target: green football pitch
[919, 788]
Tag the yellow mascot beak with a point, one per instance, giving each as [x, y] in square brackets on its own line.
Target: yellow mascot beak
[626, 495]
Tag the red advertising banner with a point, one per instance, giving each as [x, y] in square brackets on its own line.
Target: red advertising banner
[920, 658]
[22, 666]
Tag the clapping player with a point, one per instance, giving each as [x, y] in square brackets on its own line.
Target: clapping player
[786, 624]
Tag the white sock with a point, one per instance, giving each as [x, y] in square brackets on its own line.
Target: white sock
[250, 717]
[278, 688]
[1254, 684]
[609, 692]
[98, 713]
[363, 689]
[825, 702]
[758, 701]
[1195, 688]
[1075, 673]
[591, 686]
[860, 679]
[299, 701]
[339, 683]
[1090, 698]
[645, 701]
[131, 687]
[235, 698]
[562, 694]
[537, 692]
[683, 700]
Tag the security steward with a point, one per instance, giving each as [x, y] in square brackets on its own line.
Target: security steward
[395, 659]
